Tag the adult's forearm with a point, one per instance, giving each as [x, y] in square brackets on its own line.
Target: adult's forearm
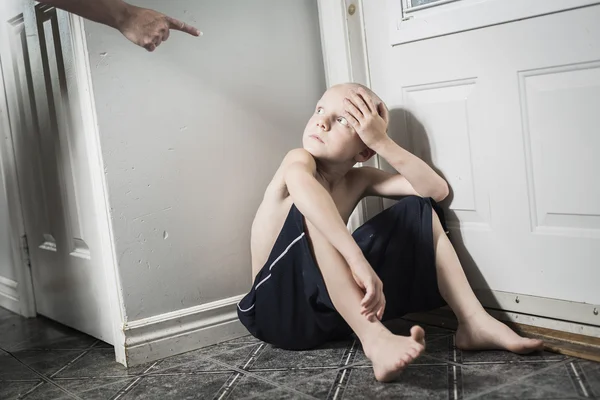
[107, 12]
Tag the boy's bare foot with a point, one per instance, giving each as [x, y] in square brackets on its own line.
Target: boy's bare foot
[390, 353]
[483, 332]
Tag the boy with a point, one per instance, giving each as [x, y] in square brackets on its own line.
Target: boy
[315, 282]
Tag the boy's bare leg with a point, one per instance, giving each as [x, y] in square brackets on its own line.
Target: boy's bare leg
[477, 330]
[389, 353]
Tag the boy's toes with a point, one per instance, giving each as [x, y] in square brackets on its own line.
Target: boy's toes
[529, 345]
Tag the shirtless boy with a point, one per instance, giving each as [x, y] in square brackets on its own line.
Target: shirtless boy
[315, 282]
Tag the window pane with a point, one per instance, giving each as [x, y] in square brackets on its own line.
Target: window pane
[416, 3]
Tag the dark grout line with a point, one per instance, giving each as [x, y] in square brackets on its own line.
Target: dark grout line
[260, 378]
[33, 389]
[80, 378]
[193, 373]
[579, 380]
[206, 357]
[133, 384]
[86, 351]
[341, 381]
[291, 369]
[227, 388]
[542, 361]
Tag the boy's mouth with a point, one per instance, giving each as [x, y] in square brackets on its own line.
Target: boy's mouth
[316, 137]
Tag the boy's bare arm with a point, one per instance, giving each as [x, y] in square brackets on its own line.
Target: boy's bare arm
[318, 207]
[421, 176]
[370, 122]
[316, 204]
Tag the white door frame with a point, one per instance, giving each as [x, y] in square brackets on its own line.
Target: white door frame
[91, 133]
[17, 296]
[345, 59]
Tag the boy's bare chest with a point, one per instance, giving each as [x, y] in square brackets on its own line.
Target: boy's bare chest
[345, 200]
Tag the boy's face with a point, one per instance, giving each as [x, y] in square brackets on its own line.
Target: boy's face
[328, 136]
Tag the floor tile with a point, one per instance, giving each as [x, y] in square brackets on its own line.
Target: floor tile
[229, 345]
[94, 389]
[523, 380]
[181, 387]
[521, 391]
[313, 382]
[18, 333]
[327, 356]
[47, 362]
[417, 382]
[47, 391]
[11, 369]
[508, 357]
[402, 327]
[241, 358]
[12, 390]
[279, 394]
[239, 387]
[188, 365]
[99, 363]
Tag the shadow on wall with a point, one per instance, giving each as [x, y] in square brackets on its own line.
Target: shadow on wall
[409, 132]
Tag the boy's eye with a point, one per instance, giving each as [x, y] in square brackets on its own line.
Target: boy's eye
[343, 121]
[320, 110]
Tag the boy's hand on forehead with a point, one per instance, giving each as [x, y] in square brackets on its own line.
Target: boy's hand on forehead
[369, 120]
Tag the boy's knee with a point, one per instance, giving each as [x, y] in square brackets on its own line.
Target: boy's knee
[410, 202]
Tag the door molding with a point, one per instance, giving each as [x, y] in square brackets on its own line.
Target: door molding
[344, 47]
[16, 296]
[91, 134]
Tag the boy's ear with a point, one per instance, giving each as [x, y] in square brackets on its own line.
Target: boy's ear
[364, 155]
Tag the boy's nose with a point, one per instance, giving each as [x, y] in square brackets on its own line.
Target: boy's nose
[322, 124]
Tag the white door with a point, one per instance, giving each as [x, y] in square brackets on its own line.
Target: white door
[505, 100]
[52, 161]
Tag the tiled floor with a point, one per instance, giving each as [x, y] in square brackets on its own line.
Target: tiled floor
[42, 360]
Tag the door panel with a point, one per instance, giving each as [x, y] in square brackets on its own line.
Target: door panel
[509, 115]
[52, 154]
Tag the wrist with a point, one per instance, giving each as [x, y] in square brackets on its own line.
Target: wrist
[356, 260]
[382, 145]
[120, 14]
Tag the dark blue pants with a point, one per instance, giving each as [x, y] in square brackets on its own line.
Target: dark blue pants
[288, 305]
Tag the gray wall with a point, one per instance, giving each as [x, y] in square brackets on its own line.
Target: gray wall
[191, 135]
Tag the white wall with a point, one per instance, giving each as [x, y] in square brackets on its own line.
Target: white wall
[191, 135]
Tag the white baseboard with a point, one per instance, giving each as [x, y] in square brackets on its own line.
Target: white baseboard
[9, 295]
[177, 332]
[571, 311]
[560, 315]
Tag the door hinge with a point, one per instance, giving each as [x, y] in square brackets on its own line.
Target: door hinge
[25, 250]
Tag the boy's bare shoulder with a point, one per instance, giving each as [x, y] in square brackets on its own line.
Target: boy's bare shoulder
[299, 156]
[293, 157]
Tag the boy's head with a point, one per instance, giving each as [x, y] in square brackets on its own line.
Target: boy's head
[328, 136]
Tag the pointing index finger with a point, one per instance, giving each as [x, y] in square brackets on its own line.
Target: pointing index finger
[182, 26]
